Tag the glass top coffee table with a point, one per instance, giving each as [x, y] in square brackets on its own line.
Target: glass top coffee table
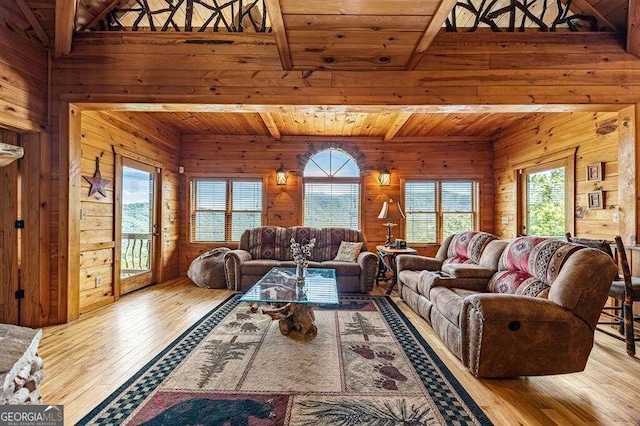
[292, 302]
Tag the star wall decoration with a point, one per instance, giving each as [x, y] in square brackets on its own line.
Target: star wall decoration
[97, 183]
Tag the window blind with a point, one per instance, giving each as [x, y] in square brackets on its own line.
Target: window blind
[221, 209]
[457, 207]
[420, 210]
[332, 204]
[246, 211]
[436, 209]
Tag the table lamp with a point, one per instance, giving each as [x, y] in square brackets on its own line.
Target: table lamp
[390, 211]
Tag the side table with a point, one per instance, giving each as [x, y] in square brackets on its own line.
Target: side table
[388, 257]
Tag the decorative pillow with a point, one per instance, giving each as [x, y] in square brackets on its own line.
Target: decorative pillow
[348, 252]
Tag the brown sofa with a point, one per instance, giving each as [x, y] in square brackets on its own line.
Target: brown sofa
[535, 315]
[265, 247]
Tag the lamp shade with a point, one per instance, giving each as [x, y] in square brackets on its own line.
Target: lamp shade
[384, 177]
[281, 176]
[391, 211]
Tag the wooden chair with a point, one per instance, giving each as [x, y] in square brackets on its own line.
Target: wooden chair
[626, 289]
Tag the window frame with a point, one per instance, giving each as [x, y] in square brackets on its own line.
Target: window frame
[476, 205]
[568, 162]
[330, 180]
[228, 213]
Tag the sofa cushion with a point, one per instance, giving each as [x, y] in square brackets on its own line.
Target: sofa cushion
[467, 270]
[267, 242]
[258, 267]
[292, 264]
[448, 301]
[410, 279]
[529, 266]
[329, 241]
[467, 247]
[342, 268]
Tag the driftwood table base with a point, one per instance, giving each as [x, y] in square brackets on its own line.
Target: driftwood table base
[296, 320]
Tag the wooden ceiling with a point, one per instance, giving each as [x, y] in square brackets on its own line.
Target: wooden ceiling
[324, 34]
[350, 124]
[339, 34]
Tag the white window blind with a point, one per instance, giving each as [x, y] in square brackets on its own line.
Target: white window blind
[546, 203]
[331, 190]
[437, 209]
[332, 204]
[420, 209]
[221, 209]
[246, 211]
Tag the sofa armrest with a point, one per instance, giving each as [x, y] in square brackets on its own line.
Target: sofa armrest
[417, 263]
[368, 262]
[232, 262]
[505, 335]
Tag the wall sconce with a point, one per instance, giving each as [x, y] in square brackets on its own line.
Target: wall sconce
[384, 177]
[281, 176]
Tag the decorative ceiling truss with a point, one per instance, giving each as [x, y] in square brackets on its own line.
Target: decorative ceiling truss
[518, 16]
[187, 16]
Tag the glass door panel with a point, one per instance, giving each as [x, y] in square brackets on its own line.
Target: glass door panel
[137, 226]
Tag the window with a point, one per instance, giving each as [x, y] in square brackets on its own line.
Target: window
[331, 190]
[221, 209]
[437, 209]
[544, 201]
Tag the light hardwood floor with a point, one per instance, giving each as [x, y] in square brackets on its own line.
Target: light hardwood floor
[89, 358]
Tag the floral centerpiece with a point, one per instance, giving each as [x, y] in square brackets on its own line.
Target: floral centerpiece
[301, 254]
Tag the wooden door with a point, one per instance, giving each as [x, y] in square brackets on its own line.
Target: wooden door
[137, 226]
[9, 308]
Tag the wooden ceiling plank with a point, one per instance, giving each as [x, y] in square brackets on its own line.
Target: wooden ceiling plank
[434, 27]
[277, 26]
[100, 16]
[584, 7]
[271, 125]
[65, 25]
[633, 29]
[399, 121]
[35, 23]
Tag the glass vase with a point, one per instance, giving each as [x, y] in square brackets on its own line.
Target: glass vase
[301, 272]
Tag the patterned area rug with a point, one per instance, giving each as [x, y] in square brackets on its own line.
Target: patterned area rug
[367, 366]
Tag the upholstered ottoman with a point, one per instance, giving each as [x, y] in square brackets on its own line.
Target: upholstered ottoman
[207, 270]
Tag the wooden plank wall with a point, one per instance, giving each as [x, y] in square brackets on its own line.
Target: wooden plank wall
[458, 69]
[142, 139]
[554, 133]
[261, 156]
[23, 71]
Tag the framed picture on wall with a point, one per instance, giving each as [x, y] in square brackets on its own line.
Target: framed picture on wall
[594, 172]
[595, 200]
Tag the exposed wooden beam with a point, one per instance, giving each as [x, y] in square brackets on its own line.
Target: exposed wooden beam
[633, 28]
[393, 130]
[433, 28]
[277, 25]
[271, 125]
[37, 26]
[100, 16]
[585, 8]
[65, 26]
[376, 109]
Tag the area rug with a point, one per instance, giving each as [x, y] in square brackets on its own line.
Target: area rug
[367, 366]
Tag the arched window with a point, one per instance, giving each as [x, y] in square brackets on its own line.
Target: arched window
[332, 190]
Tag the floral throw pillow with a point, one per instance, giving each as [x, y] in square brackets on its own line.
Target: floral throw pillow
[348, 252]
